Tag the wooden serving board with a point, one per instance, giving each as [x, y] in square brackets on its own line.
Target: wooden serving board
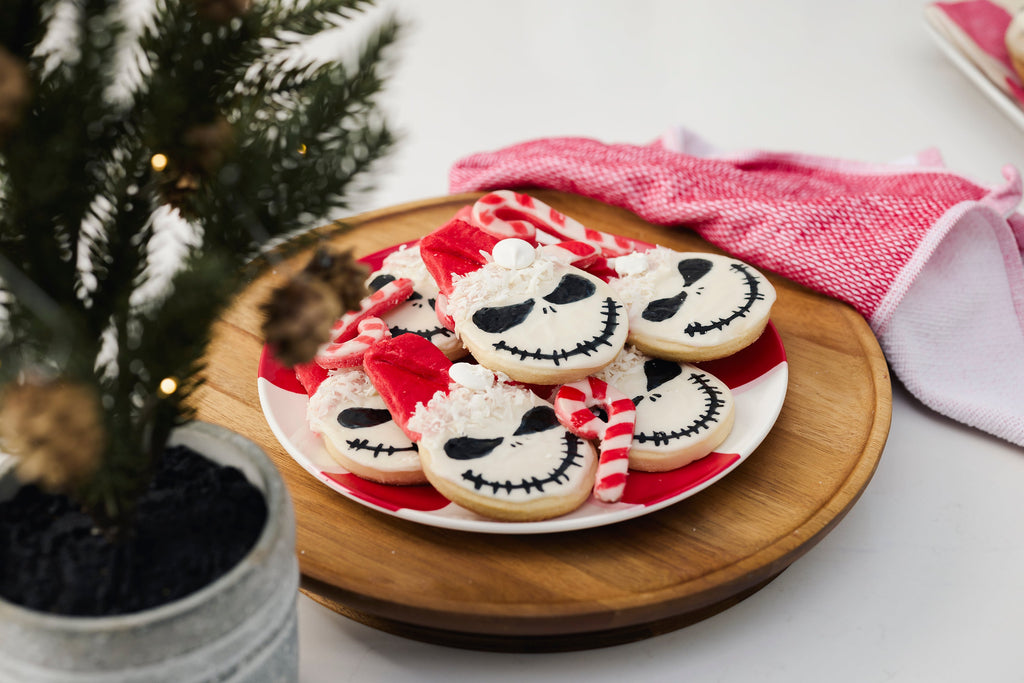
[593, 587]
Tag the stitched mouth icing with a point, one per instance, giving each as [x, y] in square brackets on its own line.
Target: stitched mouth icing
[610, 309]
[713, 404]
[378, 449]
[753, 294]
[427, 334]
[555, 477]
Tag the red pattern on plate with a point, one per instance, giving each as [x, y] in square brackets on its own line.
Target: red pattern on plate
[424, 498]
[749, 363]
[270, 369]
[650, 488]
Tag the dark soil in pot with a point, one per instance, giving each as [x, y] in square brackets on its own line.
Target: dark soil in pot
[196, 521]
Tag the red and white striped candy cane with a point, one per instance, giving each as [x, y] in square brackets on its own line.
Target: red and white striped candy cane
[572, 406]
[349, 354]
[381, 301]
[511, 214]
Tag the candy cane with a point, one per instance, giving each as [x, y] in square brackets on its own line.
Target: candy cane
[510, 214]
[572, 406]
[381, 301]
[349, 354]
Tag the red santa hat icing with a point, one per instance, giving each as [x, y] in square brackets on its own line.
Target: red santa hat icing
[458, 248]
[454, 249]
[407, 371]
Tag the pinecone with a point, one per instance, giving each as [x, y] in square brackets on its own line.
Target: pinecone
[55, 428]
[15, 92]
[300, 314]
[342, 273]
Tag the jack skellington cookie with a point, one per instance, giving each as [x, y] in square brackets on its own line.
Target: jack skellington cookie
[682, 412]
[344, 407]
[521, 311]
[359, 432]
[492, 446]
[691, 306]
[417, 314]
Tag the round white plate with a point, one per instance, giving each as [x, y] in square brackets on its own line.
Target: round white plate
[758, 377]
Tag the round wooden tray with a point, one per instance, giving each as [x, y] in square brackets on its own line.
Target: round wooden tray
[595, 587]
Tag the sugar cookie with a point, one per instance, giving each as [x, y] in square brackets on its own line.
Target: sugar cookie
[691, 306]
[491, 446]
[416, 314]
[533, 317]
[682, 412]
[358, 431]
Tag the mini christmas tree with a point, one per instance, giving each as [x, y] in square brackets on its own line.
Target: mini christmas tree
[133, 133]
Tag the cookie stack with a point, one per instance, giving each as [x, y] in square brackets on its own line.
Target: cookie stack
[524, 363]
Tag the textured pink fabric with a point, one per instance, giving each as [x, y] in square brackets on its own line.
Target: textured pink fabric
[862, 233]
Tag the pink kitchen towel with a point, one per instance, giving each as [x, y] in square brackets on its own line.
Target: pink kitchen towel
[931, 259]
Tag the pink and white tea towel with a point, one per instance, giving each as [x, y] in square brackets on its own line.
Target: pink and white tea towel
[931, 259]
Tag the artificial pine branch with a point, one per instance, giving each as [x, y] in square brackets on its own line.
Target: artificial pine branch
[245, 145]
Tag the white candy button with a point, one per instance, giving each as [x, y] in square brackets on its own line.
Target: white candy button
[471, 376]
[631, 264]
[514, 253]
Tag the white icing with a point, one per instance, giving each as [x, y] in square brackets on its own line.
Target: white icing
[406, 262]
[676, 406]
[369, 446]
[349, 387]
[581, 334]
[471, 376]
[492, 414]
[713, 297]
[630, 264]
[492, 285]
[514, 253]
[416, 314]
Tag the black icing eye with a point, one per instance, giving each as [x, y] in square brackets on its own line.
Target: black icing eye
[659, 371]
[468, 448]
[356, 418]
[693, 269]
[663, 309]
[414, 296]
[570, 289]
[379, 281]
[495, 319]
[539, 419]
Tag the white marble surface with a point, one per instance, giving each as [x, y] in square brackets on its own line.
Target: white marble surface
[922, 581]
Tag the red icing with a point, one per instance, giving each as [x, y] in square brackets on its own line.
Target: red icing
[310, 376]
[407, 370]
[649, 488]
[454, 249]
[424, 498]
